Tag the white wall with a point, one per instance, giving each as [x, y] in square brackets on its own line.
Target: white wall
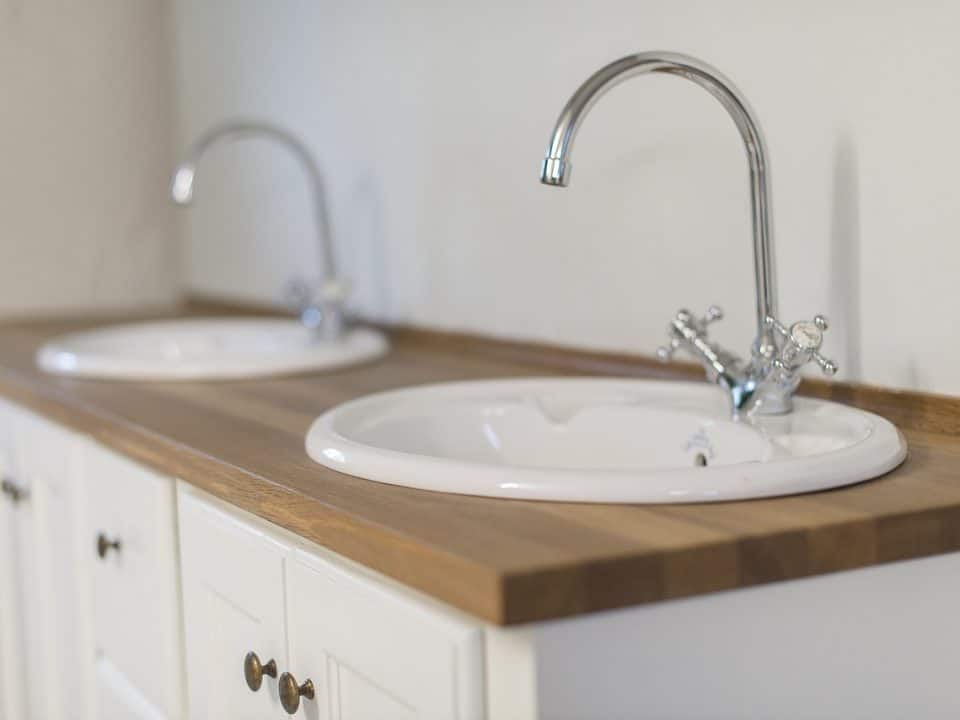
[430, 120]
[86, 141]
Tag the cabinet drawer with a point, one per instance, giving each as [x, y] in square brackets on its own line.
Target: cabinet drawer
[131, 538]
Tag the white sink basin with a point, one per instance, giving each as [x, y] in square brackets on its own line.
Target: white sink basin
[204, 349]
[599, 440]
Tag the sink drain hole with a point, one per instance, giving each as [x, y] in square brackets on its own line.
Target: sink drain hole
[700, 460]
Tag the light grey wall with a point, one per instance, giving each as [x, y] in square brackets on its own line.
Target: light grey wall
[430, 120]
[86, 142]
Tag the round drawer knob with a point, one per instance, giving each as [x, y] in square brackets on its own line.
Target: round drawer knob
[105, 545]
[290, 692]
[13, 491]
[254, 670]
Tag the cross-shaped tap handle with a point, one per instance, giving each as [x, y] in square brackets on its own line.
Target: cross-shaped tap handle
[684, 322]
[801, 344]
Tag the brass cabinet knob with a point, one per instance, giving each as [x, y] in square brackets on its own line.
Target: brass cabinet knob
[13, 491]
[290, 692]
[254, 670]
[105, 545]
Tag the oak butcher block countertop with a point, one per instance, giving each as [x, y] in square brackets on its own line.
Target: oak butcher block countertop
[506, 561]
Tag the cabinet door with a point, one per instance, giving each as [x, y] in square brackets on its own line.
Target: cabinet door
[373, 651]
[130, 544]
[233, 584]
[49, 464]
[53, 616]
[12, 700]
[32, 578]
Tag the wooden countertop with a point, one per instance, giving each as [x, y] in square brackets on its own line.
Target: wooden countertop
[506, 561]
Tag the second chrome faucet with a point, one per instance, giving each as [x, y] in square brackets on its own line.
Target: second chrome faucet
[766, 382]
[325, 314]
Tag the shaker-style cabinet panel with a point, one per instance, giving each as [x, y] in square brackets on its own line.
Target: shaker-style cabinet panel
[130, 545]
[44, 614]
[56, 572]
[372, 652]
[233, 585]
[345, 644]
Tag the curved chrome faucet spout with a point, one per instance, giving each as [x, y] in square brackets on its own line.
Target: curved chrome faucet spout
[556, 165]
[181, 190]
[767, 382]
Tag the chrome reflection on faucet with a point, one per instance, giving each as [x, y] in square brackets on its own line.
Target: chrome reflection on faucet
[766, 382]
[325, 312]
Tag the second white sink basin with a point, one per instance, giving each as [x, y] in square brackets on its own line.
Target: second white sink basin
[205, 349]
[599, 440]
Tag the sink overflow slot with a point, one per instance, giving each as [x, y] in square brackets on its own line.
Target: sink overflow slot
[700, 460]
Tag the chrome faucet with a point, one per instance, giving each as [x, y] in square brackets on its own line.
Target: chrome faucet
[766, 382]
[323, 313]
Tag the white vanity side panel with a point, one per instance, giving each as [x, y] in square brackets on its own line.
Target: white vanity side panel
[12, 697]
[878, 643]
[511, 669]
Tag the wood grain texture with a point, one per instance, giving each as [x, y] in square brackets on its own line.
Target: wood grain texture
[506, 561]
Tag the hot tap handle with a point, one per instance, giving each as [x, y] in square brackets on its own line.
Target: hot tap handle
[800, 344]
[685, 326]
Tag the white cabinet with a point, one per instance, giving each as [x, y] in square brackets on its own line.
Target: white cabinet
[49, 464]
[91, 592]
[233, 584]
[12, 700]
[84, 637]
[46, 631]
[100, 608]
[131, 544]
[369, 649]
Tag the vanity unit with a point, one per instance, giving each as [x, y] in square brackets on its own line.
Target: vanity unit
[172, 551]
[167, 548]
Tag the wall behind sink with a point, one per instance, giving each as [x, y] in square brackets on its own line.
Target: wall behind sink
[430, 120]
[87, 140]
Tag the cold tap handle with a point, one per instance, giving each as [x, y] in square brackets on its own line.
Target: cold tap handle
[800, 343]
